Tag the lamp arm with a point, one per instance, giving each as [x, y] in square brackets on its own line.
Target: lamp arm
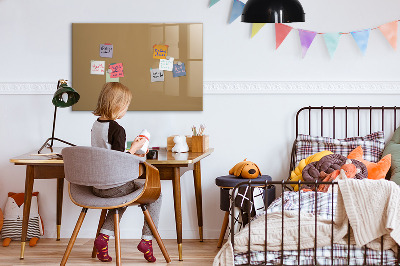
[54, 126]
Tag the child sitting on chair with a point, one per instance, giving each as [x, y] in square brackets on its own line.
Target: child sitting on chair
[112, 104]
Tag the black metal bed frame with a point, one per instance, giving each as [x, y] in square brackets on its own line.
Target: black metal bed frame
[283, 184]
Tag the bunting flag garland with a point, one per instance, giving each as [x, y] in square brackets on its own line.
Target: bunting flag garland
[237, 9]
[281, 31]
[389, 30]
[361, 37]
[306, 39]
[213, 2]
[256, 28]
[332, 41]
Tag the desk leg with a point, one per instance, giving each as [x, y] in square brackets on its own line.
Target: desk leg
[199, 204]
[60, 190]
[176, 182]
[27, 206]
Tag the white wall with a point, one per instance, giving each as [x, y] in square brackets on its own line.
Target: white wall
[36, 45]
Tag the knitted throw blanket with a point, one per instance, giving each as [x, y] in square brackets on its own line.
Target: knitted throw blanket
[274, 235]
[373, 209]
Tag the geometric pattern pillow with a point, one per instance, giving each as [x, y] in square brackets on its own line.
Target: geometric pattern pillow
[372, 145]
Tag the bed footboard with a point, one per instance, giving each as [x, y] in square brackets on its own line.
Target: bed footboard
[383, 258]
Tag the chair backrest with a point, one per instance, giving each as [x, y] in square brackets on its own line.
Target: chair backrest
[91, 166]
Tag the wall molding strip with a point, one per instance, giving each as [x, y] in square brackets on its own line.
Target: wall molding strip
[246, 87]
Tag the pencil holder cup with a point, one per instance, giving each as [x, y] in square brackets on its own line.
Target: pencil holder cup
[200, 143]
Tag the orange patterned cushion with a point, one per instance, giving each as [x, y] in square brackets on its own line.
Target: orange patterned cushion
[375, 170]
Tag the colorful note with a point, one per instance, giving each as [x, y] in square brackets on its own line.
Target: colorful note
[117, 70]
[179, 70]
[110, 79]
[156, 75]
[106, 50]
[97, 67]
[160, 51]
[167, 64]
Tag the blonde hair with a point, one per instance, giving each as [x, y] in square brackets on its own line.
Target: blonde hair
[114, 96]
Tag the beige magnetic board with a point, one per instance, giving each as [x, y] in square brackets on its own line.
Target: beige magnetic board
[132, 45]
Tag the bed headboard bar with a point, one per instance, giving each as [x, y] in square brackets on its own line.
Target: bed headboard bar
[321, 109]
[391, 113]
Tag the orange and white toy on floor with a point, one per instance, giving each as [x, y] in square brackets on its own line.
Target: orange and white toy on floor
[13, 215]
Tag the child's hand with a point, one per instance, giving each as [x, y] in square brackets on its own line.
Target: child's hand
[143, 155]
[137, 144]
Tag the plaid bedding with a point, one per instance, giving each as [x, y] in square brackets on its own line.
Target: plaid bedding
[323, 207]
[324, 257]
[372, 145]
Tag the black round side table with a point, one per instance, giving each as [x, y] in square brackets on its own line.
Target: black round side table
[228, 182]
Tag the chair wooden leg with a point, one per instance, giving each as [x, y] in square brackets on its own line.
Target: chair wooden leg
[154, 230]
[101, 222]
[223, 229]
[117, 238]
[73, 237]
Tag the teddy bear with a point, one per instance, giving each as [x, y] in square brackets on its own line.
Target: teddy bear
[180, 144]
[13, 215]
[245, 169]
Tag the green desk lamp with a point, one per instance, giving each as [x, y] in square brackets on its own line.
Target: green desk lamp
[64, 97]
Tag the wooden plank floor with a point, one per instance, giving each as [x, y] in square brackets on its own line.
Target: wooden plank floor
[50, 252]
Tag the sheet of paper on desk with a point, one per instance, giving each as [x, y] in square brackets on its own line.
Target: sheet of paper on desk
[156, 75]
[160, 51]
[117, 70]
[106, 50]
[167, 64]
[97, 67]
[179, 70]
[110, 79]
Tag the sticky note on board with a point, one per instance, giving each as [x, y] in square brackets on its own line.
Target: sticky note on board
[166, 64]
[156, 75]
[117, 70]
[97, 67]
[179, 70]
[160, 51]
[110, 79]
[106, 50]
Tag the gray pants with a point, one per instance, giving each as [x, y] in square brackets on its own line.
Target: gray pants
[154, 208]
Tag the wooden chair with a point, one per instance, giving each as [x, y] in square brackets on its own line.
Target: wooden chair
[85, 167]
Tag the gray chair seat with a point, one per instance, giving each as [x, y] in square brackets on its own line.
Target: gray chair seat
[83, 196]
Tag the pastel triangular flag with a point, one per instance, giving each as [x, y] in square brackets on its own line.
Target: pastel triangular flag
[389, 30]
[332, 41]
[256, 28]
[281, 31]
[361, 37]
[213, 2]
[237, 10]
[306, 39]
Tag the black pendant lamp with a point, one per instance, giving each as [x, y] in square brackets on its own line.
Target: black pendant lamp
[273, 11]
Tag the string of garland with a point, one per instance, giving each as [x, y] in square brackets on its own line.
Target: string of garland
[361, 37]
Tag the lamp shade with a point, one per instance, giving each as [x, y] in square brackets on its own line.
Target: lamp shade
[65, 96]
[273, 11]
